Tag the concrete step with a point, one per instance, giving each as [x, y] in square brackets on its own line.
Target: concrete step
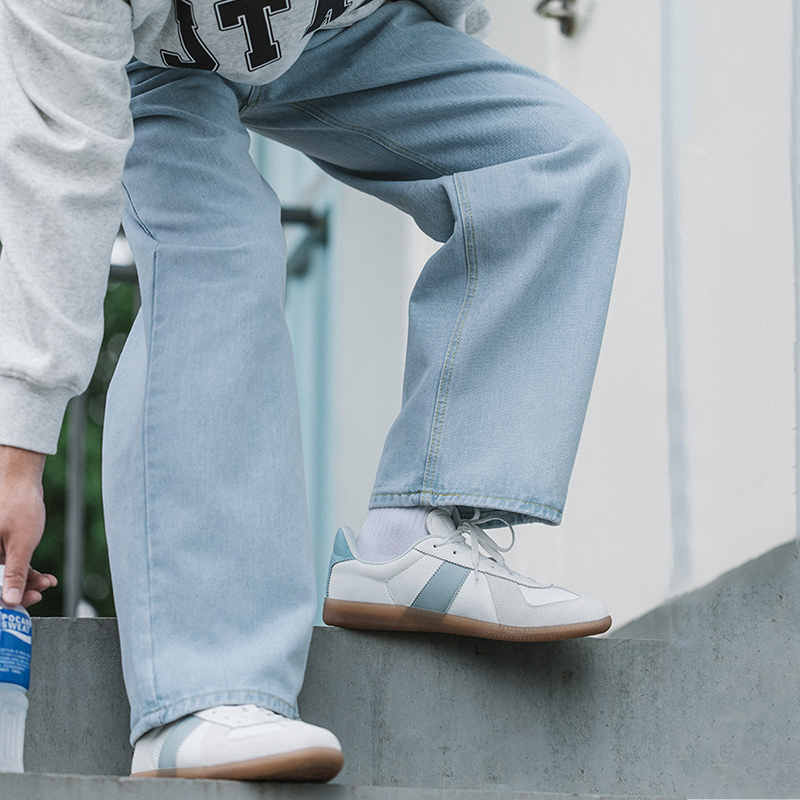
[737, 704]
[73, 787]
[592, 716]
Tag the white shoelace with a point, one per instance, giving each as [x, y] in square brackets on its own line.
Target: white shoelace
[470, 534]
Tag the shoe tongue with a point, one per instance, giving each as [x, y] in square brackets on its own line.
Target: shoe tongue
[439, 523]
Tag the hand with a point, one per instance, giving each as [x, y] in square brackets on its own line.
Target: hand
[21, 524]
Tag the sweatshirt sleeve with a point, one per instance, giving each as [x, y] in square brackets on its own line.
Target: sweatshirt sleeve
[65, 129]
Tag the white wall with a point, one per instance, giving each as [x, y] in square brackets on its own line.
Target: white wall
[738, 282]
[728, 158]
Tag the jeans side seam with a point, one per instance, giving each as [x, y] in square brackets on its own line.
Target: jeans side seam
[466, 494]
[455, 339]
[379, 138]
[144, 470]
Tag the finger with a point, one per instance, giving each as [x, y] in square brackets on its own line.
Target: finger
[31, 597]
[16, 575]
[39, 585]
[40, 581]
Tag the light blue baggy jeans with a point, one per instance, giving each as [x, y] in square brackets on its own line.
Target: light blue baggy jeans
[203, 478]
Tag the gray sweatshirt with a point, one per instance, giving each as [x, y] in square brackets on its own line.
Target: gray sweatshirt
[65, 129]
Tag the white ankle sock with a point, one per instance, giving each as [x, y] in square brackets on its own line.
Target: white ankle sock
[388, 532]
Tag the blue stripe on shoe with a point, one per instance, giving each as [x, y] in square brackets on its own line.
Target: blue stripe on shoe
[178, 732]
[440, 591]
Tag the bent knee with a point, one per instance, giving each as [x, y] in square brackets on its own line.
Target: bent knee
[604, 156]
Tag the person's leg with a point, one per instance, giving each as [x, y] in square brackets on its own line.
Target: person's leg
[525, 187]
[203, 479]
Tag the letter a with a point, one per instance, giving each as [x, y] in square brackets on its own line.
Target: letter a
[327, 11]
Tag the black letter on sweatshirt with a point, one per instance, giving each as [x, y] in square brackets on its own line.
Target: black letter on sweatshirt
[199, 55]
[327, 11]
[254, 16]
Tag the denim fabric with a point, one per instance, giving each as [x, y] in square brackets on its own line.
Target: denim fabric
[207, 524]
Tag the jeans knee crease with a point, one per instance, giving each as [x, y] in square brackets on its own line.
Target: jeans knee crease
[251, 101]
[135, 213]
[373, 135]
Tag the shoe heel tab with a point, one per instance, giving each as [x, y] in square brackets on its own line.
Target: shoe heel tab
[344, 546]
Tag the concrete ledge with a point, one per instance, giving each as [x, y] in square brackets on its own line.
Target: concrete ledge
[74, 787]
[738, 709]
[78, 719]
[589, 717]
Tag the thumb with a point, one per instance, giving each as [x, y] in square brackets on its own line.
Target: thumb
[16, 576]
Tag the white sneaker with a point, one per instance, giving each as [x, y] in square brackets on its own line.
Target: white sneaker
[238, 743]
[445, 584]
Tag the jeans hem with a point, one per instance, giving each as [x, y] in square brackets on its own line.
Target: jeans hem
[513, 509]
[188, 705]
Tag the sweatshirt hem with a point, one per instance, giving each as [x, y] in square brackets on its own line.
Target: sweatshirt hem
[31, 415]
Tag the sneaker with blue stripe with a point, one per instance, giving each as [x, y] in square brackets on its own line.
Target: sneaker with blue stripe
[243, 742]
[454, 580]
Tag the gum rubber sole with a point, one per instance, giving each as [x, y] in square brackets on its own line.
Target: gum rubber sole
[314, 765]
[384, 617]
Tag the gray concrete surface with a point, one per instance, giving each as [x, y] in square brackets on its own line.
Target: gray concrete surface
[588, 717]
[66, 787]
[737, 709]
[78, 713]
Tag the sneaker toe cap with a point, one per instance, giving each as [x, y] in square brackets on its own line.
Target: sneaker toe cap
[308, 736]
[558, 606]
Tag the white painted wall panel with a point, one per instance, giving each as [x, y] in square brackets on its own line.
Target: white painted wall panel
[738, 279]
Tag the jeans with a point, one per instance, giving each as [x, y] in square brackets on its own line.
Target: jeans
[203, 479]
